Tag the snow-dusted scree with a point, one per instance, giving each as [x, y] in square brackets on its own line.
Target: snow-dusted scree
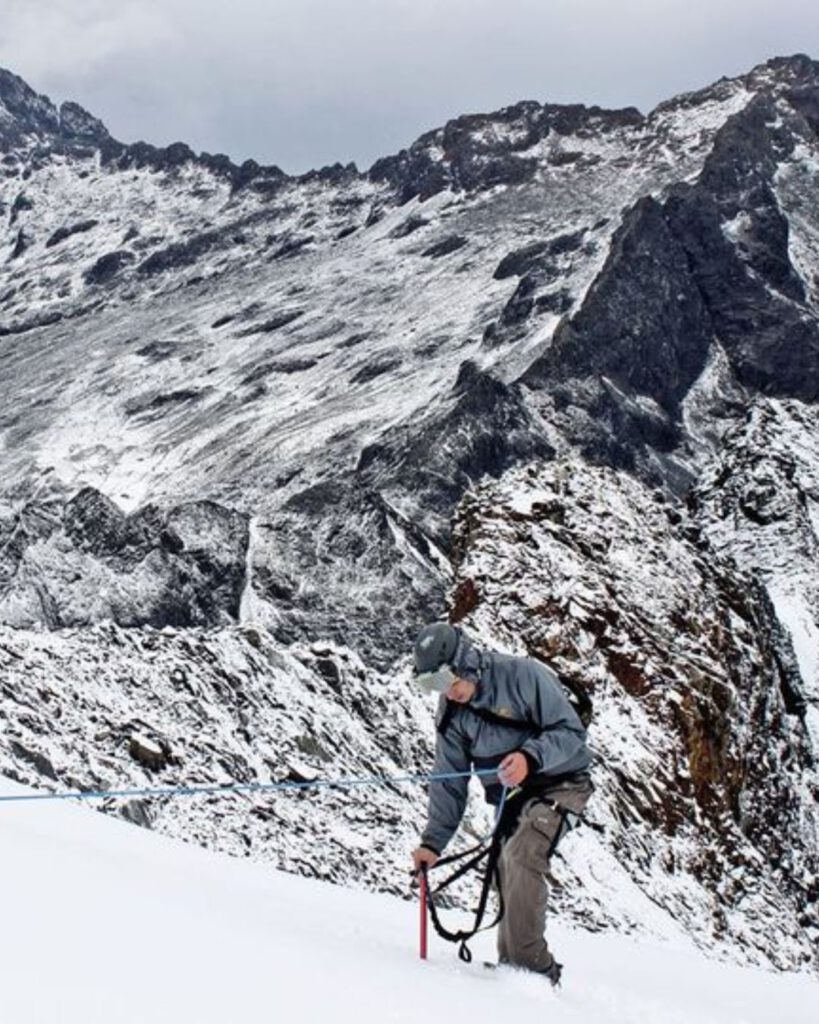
[555, 365]
[143, 708]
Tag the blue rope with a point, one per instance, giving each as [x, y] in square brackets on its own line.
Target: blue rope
[249, 787]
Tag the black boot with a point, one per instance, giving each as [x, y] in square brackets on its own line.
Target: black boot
[553, 972]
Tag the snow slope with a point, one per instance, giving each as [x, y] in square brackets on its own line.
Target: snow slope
[104, 921]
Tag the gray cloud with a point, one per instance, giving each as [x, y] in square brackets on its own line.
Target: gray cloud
[309, 82]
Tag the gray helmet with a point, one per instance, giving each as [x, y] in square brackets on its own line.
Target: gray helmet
[434, 653]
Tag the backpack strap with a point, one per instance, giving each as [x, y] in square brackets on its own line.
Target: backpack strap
[446, 717]
[511, 723]
[488, 716]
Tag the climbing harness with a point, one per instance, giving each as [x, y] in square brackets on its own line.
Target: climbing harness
[489, 850]
[568, 821]
[505, 821]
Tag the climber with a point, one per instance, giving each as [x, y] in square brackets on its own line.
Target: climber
[508, 713]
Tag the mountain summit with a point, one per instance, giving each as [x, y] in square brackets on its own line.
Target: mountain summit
[25, 116]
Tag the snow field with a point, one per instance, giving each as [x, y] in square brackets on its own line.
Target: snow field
[106, 922]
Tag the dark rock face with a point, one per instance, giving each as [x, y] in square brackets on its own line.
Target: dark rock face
[153, 402]
[410, 225]
[755, 296]
[450, 244]
[708, 264]
[538, 257]
[77, 123]
[332, 174]
[772, 343]
[68, 129]
[22, 242]
[292, 247]
[376, 369]
[148, 753]
[38, 761]
[32, 114]
[181, 254]
[20, 204]
[61, 234]
[95, 524]
[279, 366]
[275, 323]
[540, 266]
[494, 429]
[644, 322]
[170, 158]
[107, 267]
[181, 567]
[738, 174]
[805, 100]
[521, 261]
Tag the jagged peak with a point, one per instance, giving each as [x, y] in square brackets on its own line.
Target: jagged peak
[76, 122]
[787, 68]
[31, 114]
[772, 75]
[561, 117]
[27, 111]
[15, 89]
[482, 150]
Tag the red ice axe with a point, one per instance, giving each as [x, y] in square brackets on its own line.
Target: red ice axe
[422, 883]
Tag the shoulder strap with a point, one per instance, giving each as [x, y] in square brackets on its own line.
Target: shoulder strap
[511, 723]
[446, 717]
[489, 716]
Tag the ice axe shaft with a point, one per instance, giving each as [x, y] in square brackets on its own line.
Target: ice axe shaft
[422, 882]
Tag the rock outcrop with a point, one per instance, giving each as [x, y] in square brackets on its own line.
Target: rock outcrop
[88, 561]
[704, 763]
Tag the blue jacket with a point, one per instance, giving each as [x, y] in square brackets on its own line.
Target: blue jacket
[522, 690]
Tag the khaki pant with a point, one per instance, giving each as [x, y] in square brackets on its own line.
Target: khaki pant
[523, 866]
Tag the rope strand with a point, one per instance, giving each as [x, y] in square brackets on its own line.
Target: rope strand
[248, 787]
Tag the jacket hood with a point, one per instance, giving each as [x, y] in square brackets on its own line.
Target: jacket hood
[467, 660]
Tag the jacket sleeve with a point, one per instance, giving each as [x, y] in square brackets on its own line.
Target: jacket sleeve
[562, 737]
[447, 798]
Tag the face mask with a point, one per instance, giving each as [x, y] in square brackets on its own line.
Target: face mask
[438, 681]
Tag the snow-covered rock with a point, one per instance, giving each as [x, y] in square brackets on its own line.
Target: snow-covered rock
[705, 772]
[111, 708]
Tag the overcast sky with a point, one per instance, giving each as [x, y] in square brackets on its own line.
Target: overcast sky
[302, 83]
